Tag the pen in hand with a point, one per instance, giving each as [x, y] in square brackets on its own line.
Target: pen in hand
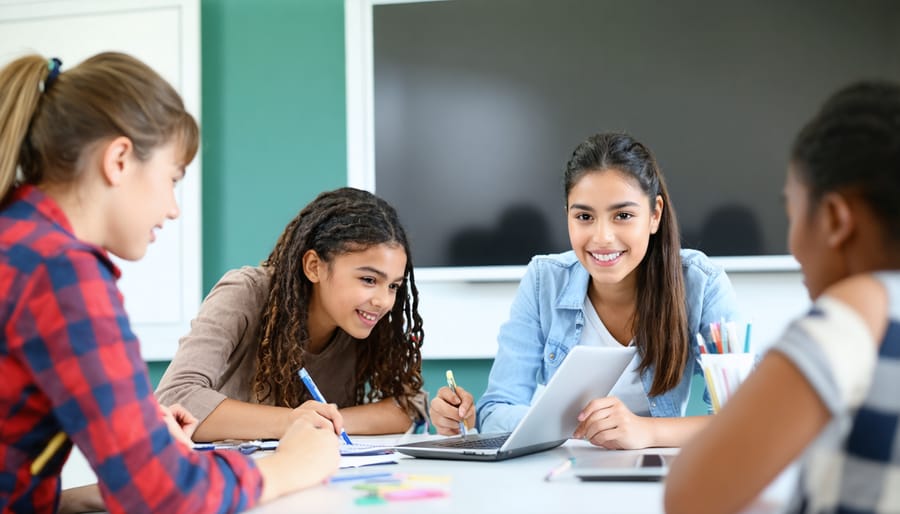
[451, 383]
[317, 396]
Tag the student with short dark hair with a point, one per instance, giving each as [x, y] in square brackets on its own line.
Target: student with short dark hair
[826, 392]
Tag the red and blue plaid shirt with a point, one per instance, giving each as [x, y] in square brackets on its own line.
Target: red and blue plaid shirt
[70, 362]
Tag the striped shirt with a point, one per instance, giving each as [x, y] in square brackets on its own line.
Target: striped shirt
[854, 465]
[69, 362]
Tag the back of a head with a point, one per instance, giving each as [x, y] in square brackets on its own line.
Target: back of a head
[48, 116]
[852, 145]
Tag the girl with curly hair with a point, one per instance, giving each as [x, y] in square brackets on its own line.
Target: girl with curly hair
[337, 296]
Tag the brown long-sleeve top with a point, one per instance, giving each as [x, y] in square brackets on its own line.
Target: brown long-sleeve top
[217, 358]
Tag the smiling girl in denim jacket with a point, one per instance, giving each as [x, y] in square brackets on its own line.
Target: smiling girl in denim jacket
[625, 282]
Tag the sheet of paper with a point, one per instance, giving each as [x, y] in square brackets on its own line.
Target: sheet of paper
[355, 461]
[366, 449]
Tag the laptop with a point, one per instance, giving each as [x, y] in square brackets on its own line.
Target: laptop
[622, 466]
[588, 372]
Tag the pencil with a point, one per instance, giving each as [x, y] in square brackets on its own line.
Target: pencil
[52, 447]
[559, 469]
[711, 385]
[451, 383]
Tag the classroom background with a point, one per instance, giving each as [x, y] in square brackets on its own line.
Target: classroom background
[276, 86]
[285, 110]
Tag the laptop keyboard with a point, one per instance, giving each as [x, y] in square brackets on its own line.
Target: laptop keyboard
[474, 443]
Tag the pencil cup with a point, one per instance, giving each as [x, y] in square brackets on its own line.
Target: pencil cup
[724, 373]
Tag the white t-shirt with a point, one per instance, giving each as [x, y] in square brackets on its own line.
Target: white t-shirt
[628, 388]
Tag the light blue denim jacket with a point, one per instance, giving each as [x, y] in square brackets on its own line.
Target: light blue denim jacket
[545, 322]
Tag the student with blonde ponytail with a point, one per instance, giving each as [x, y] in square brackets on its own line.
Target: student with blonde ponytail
[89, 159]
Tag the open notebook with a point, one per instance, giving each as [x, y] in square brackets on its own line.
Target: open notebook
[588, 372]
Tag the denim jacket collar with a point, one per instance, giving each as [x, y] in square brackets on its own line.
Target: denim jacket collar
[572, 295]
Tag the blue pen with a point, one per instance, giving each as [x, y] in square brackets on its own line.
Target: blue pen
[360, 476]
[747, 339]
[317, 396]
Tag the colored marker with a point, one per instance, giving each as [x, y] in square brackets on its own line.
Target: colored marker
[701, 343]
[414, 494]
[359, 476]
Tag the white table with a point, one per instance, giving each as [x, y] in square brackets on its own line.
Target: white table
[515, 486]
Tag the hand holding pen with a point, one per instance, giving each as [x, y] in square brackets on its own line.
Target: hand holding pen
[453, 409]
[317, 396]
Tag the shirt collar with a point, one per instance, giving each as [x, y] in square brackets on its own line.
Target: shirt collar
[49, 209]
[43, 204]
[573, 293]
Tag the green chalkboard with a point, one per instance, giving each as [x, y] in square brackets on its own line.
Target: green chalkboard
[273, 121]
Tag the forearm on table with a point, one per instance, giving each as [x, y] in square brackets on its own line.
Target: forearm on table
[85, 498]
[675, 432]
[381, 417]
[282, 475]
[233, 419]
[499, 417]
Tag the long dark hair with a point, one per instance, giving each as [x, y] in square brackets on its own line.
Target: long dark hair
[660, 322]
[853, 145]
[389, 363]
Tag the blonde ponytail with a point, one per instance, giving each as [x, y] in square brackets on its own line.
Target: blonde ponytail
[48, 118]
[20, 91]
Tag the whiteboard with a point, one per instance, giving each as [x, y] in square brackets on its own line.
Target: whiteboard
[163, 290]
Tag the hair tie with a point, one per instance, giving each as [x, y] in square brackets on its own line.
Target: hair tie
[53, 65]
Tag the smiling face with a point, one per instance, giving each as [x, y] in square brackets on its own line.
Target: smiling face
[353, 291]
[144, 200]
[610, 223]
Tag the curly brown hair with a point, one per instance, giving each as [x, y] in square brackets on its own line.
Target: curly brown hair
[389, 362]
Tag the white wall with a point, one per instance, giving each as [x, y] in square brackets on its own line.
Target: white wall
[462, 318]
[165, 34]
